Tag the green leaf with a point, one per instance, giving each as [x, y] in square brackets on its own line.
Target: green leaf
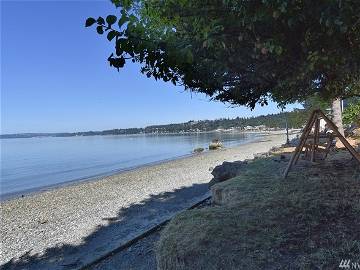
[121, 62]
[101, 20]
[278, 50]
[117, 62]
[100, 30]
[122, 20]
[189, 57]
[111, 19]
[111, 35]
[120, 46]
[132, 18]
[89, 22]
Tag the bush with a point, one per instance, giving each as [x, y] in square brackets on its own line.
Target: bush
[351, 114]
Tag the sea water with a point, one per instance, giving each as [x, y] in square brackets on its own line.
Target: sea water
[31, 164]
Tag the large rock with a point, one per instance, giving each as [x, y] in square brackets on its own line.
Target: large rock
[356, 132]
[226, 171]
[261, 155]
[215, 144]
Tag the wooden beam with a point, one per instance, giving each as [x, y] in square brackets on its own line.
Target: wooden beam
[306, 136]
[300, 146]
[316, 139]
[321, 136]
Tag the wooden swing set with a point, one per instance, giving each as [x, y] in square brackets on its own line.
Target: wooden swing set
[318, 144]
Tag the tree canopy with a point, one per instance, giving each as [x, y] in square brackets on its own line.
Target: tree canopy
[238, 51]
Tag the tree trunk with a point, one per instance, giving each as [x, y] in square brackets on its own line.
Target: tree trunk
[337, 115]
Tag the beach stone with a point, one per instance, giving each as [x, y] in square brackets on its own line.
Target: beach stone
[356, 132]
[275, 149]
[261, 155]
[225, 171]
[351, 131]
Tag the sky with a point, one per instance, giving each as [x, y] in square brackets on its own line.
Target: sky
[55, 76]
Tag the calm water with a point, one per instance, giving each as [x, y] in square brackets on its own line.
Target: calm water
[35, 163]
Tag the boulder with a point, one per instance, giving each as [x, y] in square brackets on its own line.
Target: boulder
[198, 150]
[352, 131]
[226, 171]
[215, 144]
[356, 132]
[261, 155]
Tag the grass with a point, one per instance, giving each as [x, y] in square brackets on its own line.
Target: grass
[311, 220]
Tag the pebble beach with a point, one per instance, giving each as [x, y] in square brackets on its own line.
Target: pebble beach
[69, 216]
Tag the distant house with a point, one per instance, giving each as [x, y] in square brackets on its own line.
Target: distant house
[260, 127]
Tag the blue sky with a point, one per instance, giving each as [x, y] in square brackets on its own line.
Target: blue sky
[55, 77]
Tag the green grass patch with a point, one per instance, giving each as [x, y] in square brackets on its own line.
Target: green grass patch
[311, 220]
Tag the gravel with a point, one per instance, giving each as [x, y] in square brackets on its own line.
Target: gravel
[68, 227]
[140, 255]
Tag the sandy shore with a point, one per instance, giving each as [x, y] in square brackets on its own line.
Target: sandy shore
[69, 226]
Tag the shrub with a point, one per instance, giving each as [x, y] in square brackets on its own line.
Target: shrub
[351, 114]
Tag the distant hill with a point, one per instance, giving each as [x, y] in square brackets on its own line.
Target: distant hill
[296, 119]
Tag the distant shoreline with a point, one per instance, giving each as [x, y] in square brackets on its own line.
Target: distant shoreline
[265, 123]
[81, 134]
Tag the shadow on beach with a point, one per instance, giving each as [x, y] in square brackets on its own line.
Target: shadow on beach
[128, 224]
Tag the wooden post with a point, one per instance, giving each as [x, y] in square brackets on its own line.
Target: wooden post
[306, 133]
[328, 145]
[300, 146]
[316, 138]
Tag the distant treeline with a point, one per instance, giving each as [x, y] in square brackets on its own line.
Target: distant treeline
[295, 119]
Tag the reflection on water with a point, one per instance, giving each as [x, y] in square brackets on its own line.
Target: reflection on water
[33, 163]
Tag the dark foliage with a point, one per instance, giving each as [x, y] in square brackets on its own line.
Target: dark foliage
[242, 52]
